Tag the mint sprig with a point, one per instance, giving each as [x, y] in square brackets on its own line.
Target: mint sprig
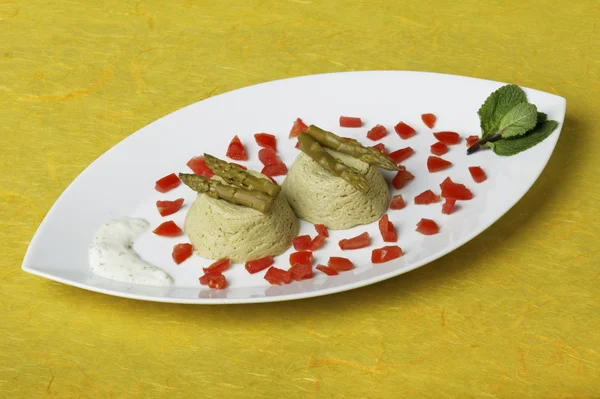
[509, 124]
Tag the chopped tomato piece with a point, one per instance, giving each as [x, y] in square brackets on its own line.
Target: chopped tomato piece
[455, 190]
[381, 148]
[397, 202]
[426, 197]
[255, 266]
[168, 229]
[435, 164]
[377, 132]
[401, 154]
[277, 276]
[448, 206]
[427, 227]
[449, 138]
[317, 242]
[240, 165]
[199, 167]
[401, 178]
[385, 254]
[205, 279]
[327, 270]
[349, 121]
[268, 157]
[218, 283]
[360, 241]
[477, 174]
[301, 243]
[274, 170]
[340, 264]
[218, 266]
[167, 183]
[302, 257]
[236, 150]
[472, 140]
[181, 252]
[301, 272]
[388, 232]
[321, 230]
[298, 128]
[266, 140]
[439, 148]
[404, 131]
[429, 120]
[166, 208]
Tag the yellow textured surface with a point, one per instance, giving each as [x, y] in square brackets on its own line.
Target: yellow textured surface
[514, 313]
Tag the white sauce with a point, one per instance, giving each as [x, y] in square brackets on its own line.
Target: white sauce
[112, 255]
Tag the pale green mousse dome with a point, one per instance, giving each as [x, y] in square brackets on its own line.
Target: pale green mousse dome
[219, 229]
[319, 197]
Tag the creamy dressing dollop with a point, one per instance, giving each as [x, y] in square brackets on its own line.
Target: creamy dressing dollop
[112, 255]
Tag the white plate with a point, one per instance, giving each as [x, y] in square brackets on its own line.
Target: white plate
[121, 182]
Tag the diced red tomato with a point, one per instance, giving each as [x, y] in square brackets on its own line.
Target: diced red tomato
[268, 157]
[166, 208]
[167, 183]
[448, 206]
[321, 230]
[401, 154]
[274, 170]
[360, 241]
[477, 174]
[277, 276]
[388, 232]
[207, 277]
[472, 140]
[302, 257]
[168, 229]
[236, 150]
[266, 140]
[435, 164]
[426, 197]
[340, 264]
[397, 202]
[218, 282]
[327, 270]
[219, 266]
[449, 138]
[301, 243]
[455, 190]
[317, 242]
[199, 167]
[404, 131]
[429, 120]
[349, 121]
[427, 227]
[439, 148]
[401, 178]
[377, 132]
[301, 272]
[181, 252]
[385, 254]
[255, 266]
[298, 128]
[240, 165]
[381, 148]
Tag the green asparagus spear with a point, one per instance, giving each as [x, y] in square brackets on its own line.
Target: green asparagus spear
[351, 147]
[237, 176]
[314, 150]
[239, 196]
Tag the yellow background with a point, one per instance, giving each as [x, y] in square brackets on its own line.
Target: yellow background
[514, 313]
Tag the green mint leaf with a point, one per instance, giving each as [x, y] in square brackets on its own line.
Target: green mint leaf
[519, 120]
[515, 145]
[498, 104]
[541, 117]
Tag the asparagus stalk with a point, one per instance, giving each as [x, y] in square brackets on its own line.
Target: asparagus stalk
[237, 176]
[314, 150]
[366, 154]
[239, 196]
